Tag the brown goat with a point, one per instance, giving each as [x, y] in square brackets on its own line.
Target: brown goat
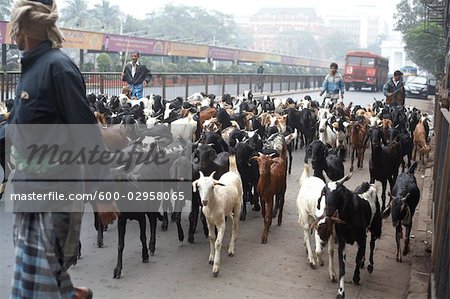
[357, 136]
[272, 181]
[207, 114]
[420, 143]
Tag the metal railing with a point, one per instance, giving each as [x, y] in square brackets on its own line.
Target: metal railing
[441, 205]
[172, 85]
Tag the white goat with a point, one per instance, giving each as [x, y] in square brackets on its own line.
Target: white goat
[326, 134]
[220, 199]
[309, 214]
[184, 128]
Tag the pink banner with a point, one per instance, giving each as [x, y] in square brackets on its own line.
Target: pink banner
[3, 31]
[288, 60]
[117, 43]
[223, 53]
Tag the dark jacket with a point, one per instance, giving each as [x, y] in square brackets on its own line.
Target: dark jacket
[142, 73]
[50, 95]
[398, 98]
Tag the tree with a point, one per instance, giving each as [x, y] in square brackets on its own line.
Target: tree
[184, 22]
[75, 14]
[409, 13]
[107, 14]
[301, 43]
[425, 49]
[103, 63]
[5, 9]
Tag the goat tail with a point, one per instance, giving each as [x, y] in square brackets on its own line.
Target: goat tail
[233, 165]
[306, 174]
[413, 167]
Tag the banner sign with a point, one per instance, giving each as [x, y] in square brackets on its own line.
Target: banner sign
[117, 43]
[77, 39]
[186, 50]
[223, 53]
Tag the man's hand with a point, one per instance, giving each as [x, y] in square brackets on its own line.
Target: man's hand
[321, 93]
[144, 83]
[107, 212]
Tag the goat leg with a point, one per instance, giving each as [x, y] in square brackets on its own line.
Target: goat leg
[398, 237]
[408, 233]
[121, 227]
[143, 238]
[152, 216]
[359, 259]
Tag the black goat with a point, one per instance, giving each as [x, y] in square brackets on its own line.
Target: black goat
[384, 160]
[403, 202]
[321, 160]
[248, 169]
[353, 214]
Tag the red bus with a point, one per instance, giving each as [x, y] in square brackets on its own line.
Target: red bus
[365, 69]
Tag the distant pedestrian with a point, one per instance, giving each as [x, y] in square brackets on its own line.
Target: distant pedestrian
[333, 84]
[136, 75]
[260, 72]
[394, 90]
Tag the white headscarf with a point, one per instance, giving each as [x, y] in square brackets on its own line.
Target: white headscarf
[36, 20]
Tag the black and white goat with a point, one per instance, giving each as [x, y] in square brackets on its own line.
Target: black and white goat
[353, 214]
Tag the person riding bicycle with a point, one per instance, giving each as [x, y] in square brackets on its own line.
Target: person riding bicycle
[333, 84]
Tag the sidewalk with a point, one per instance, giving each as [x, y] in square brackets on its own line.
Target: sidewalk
[422, 222]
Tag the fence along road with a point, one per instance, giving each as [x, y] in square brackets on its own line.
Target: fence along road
[172, 85]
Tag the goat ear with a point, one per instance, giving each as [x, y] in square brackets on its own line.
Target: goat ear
[319, 200]
[325, 176]
[194, 186]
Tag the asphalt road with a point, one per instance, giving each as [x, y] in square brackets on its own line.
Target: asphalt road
[278, 269]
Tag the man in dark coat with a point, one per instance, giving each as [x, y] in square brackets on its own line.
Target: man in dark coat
[136, 75]
[51, 93]
[394, 90]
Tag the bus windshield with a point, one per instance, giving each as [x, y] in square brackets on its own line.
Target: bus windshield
[370, 62]
[353, 60]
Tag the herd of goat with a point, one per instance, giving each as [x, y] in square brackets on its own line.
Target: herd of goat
[238, 151]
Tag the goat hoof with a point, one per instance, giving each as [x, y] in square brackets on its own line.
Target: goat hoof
[181, 238]
[339, 296]
[333, 279]
[211, 262]
[191, 240]
[145, 261]
[356, 281]
[231, 254]
[105, 228]
[312, 265]
[117, 273]
[263, 240]
[242, 218]
[256, 208]
[370, 268]
[100, 244]
[215, 274]
[164, 226]
[399, 260]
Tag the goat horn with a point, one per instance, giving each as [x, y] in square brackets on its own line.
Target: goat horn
[325, 176]
[346, 178]
[201, 174]
[337, 220]
[212, 174]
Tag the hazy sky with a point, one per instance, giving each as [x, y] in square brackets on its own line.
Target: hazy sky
[139, 8]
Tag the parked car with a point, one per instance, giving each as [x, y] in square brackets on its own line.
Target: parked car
[419, 87]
